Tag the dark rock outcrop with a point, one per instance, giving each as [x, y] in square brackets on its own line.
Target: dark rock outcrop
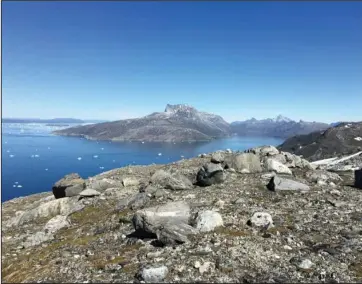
[358, 178]
[70, 185]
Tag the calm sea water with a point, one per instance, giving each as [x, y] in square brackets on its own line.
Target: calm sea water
[33, 159]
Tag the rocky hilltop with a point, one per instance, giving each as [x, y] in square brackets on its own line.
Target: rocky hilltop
[177, 123]
[343, 139]
[280, 126]
[258, 216]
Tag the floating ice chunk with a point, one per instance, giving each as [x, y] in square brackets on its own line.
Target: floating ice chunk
[46, 169]
[36, 156]
[6, 142]
[358, 138]
[79, 158]
[102, 149]
[95, 156]
[101, 168]
[16, 182]
[11, 156]
[32, 156]
[160, 154]
[143, 142]
[114, 161]
[20, 185]
[182, 156]
[48, 148]
[14, 185]
[7, 151]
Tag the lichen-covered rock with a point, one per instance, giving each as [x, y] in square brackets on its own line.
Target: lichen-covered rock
[56, 223]
[173, 181]
[89, 192]
[153, 274]
[273, 165]
[247, 162]
[149, 219]
[261, 219]
[210, 174]
[130, 181]
[217, 158]
[208, 220]
[322, 175]
[277, 183]
[70, 185]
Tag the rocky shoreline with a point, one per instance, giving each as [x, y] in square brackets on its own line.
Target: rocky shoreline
[257, 216]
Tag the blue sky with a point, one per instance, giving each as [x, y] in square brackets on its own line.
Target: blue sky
[115, 60]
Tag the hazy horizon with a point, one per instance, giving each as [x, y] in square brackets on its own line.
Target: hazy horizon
[118, 60]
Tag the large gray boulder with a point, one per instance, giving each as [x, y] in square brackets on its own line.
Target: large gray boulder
[210, 174]
[277, 183]
[70, 185]
[174, 233]
[217, 157]
[358, 178]
[150, 219]
[174, 181]
[275, 166]
[322, 176]
[245, 163]
[136, 201]
[264, 151]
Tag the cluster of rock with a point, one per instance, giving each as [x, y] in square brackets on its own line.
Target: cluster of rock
[222, 217]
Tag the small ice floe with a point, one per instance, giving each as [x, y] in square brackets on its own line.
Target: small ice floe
[358, 138]
[79, 158]
[143, 142]
[114, 161]
[36, 156]
[160, 154]
[48, 148]
[102, 149]
[101, 168]
[46, 169]
[6, 142]
[19, 185]
[182, 156]
[95, 156]
[32, 156]
[7, 151]
[11, 156]
[14, 185]
[16, 182]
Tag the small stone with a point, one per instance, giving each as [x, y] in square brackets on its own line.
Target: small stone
[305, 264]
[197, 264]
[220, 203]
[286, 247]
[154, 274]
[205, 267]
[208, 221]
[261, 219]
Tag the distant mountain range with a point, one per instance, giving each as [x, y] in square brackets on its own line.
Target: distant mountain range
[177, 123]
[281, 127]
[53, 120]
[343, 139]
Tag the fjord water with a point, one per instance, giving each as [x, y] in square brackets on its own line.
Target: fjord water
[33, 159]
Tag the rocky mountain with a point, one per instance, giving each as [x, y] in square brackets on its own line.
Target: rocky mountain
[280, 126]
[343, 139]
[260, 216]
[177, 123]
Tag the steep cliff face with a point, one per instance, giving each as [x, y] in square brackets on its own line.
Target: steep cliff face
[343, 139]
[177, 123]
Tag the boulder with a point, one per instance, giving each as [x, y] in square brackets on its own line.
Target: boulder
[247, 162]
[89, 192]
[358, 178]
[130, 181]
[150, 219]
[208, 220]
[174, 233]
[62, 206]
[210, 174]
[56, 223]
[278, 167]
[136, 201]
[277, 183]
[217, 158]
[261, 219]
[264, 151]
[102, 184]
[173, 181]
[322, 176]
[153, 274]
[70, 185]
